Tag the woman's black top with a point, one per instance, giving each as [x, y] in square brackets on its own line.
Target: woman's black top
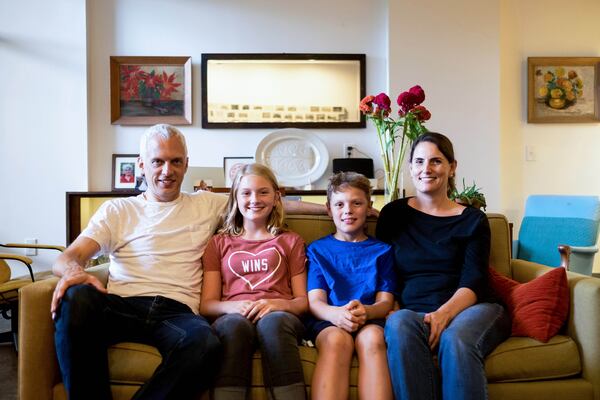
[435, 256]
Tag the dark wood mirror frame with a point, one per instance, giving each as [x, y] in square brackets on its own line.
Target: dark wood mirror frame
[293, 119]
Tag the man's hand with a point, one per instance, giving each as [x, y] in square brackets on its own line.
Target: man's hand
[74, 275]
[69, 266]
[373, 212]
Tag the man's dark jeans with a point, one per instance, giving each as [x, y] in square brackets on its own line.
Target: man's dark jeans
[88, 321]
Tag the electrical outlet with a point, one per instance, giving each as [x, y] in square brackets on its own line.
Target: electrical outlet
[31, 252]
[530, 154]
[347, 150]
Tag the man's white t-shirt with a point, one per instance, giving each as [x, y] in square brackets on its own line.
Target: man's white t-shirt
[155, 248]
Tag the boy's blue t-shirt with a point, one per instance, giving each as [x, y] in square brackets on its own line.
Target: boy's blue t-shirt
[350, 270]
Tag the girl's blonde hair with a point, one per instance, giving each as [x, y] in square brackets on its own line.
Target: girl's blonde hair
[233, 221]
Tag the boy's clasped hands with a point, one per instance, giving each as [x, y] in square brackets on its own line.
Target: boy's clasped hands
[349, 317]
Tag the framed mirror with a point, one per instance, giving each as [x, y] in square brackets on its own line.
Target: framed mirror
[244, 91]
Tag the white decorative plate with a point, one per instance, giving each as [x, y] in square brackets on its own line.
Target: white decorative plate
[297, 157]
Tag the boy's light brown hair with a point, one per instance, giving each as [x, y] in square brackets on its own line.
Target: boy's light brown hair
[342, 180]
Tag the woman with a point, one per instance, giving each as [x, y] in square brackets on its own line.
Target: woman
[441, 252]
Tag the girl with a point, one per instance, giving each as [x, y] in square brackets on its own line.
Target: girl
[255, 285]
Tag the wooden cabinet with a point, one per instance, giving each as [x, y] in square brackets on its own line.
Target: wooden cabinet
[82, 205]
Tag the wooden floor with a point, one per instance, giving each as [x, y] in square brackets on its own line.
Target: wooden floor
[8, 366]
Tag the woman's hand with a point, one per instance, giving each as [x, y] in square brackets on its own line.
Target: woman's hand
[438, 321]
[440, 318]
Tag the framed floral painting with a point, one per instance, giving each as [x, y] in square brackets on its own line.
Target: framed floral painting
[150, 90]
[563, 89]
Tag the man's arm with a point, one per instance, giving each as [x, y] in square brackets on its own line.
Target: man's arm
[75, 256]
[69, 266]
[303, 207]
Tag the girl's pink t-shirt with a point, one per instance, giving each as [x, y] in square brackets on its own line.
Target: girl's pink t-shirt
[256, 269]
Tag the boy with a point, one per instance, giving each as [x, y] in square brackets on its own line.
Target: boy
[351, 281]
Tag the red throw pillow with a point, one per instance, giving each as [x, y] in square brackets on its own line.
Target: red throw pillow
[539, 307]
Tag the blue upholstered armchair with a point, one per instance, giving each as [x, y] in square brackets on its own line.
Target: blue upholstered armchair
[552, 220]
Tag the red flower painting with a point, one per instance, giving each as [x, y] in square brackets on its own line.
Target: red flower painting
[145, 83]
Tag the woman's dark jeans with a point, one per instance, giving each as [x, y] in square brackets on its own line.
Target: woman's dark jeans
[463, 346]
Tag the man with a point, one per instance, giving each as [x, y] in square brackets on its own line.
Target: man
[155, 241]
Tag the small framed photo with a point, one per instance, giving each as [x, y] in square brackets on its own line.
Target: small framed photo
[231, 166]
[126, 173]
[563, 89]
[150, 90]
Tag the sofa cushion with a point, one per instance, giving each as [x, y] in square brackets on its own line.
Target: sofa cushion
[524, 359]
[132, 363]
[517, 359]
[539, 307]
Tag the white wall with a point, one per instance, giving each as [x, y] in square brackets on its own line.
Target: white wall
[512, 111]
[451, 49]
[471, 59]
[43, 118]
[567, 159]
[180, 27]
[567, 155]
[470, 56]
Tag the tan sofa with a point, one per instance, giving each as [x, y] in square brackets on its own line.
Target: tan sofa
[567, 367]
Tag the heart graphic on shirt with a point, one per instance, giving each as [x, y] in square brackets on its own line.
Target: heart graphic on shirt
[237, 259]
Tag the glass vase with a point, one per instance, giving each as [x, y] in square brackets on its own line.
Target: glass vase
[391, 191]
[393, 186]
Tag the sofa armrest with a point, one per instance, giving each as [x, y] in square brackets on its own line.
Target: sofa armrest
[38, 367]
[583, 324]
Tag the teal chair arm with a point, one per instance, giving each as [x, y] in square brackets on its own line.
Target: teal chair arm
[582, 259]
[584, 249]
